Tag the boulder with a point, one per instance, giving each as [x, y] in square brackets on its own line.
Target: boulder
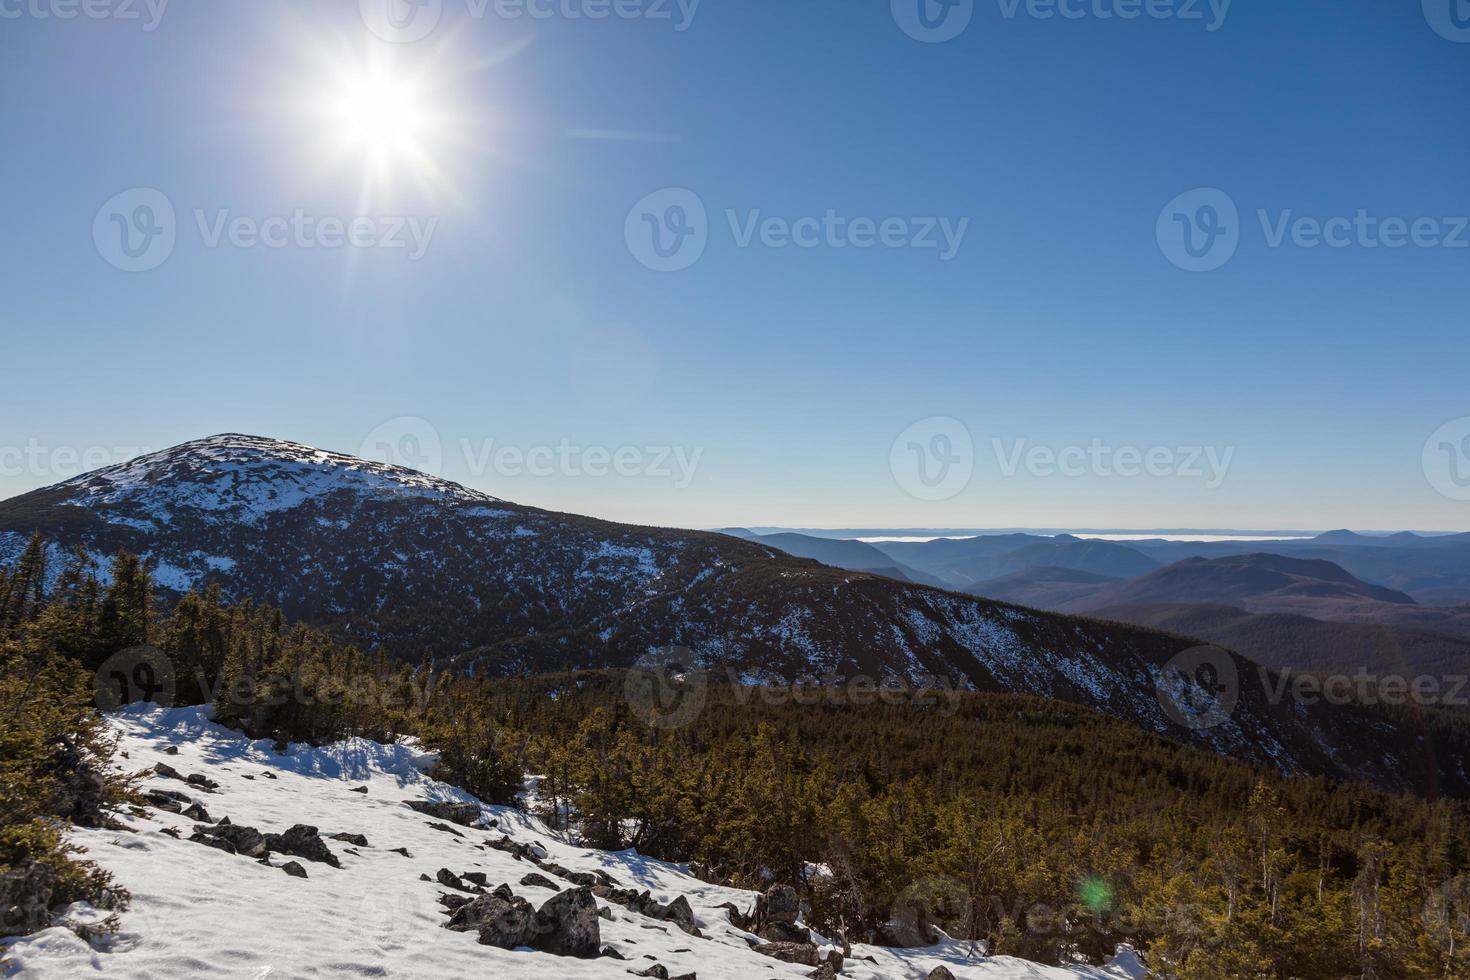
[785, 932]
[209, 840]
[540, 881]
[802, 954]
[780, 904]
[162, 799]
[939, 973]
[500, 921]
[567, 925]
[906, 933]
[294, 869]
[356, 840]
[449, 879]
[679, 913]
[476, 878]
[824, 972]
[197, 813]
[738, 919]
[302, 841]
[235, 838]
[358, 789]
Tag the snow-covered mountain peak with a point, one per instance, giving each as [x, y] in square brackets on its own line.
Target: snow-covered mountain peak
[245, 477]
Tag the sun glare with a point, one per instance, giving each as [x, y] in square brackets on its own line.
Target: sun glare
[380, 115]
[383, 120]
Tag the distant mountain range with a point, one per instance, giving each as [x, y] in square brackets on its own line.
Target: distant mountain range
[391, 558]
[1339, 601]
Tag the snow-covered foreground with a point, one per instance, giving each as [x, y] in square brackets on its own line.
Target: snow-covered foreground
[201, 912]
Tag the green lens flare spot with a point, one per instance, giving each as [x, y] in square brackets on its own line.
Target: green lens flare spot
[1096, 893]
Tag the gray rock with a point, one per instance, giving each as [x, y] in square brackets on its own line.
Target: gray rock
[504, 922]
[785, 932]
[679, 913]
[540, 881]
[209, 840]
[567, 925]
[939, 973]
[162, 799]
[302, 841]
[294, 869]
[356, 840]
[803, 954]
[781, 904]
[237, 838]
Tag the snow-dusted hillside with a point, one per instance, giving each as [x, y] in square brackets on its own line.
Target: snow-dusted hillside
[391, 558]
[246, 477]
[201, 912]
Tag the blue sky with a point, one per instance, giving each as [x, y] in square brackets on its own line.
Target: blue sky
[780, 376]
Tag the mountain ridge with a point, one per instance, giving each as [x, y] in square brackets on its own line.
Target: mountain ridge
[389, 558]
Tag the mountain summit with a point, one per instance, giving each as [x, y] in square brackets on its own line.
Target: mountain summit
[246, 477]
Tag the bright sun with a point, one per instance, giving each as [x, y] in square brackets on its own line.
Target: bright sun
[382, 119]
[383, 116]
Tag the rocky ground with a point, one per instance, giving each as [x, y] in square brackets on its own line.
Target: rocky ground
[350, 860]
